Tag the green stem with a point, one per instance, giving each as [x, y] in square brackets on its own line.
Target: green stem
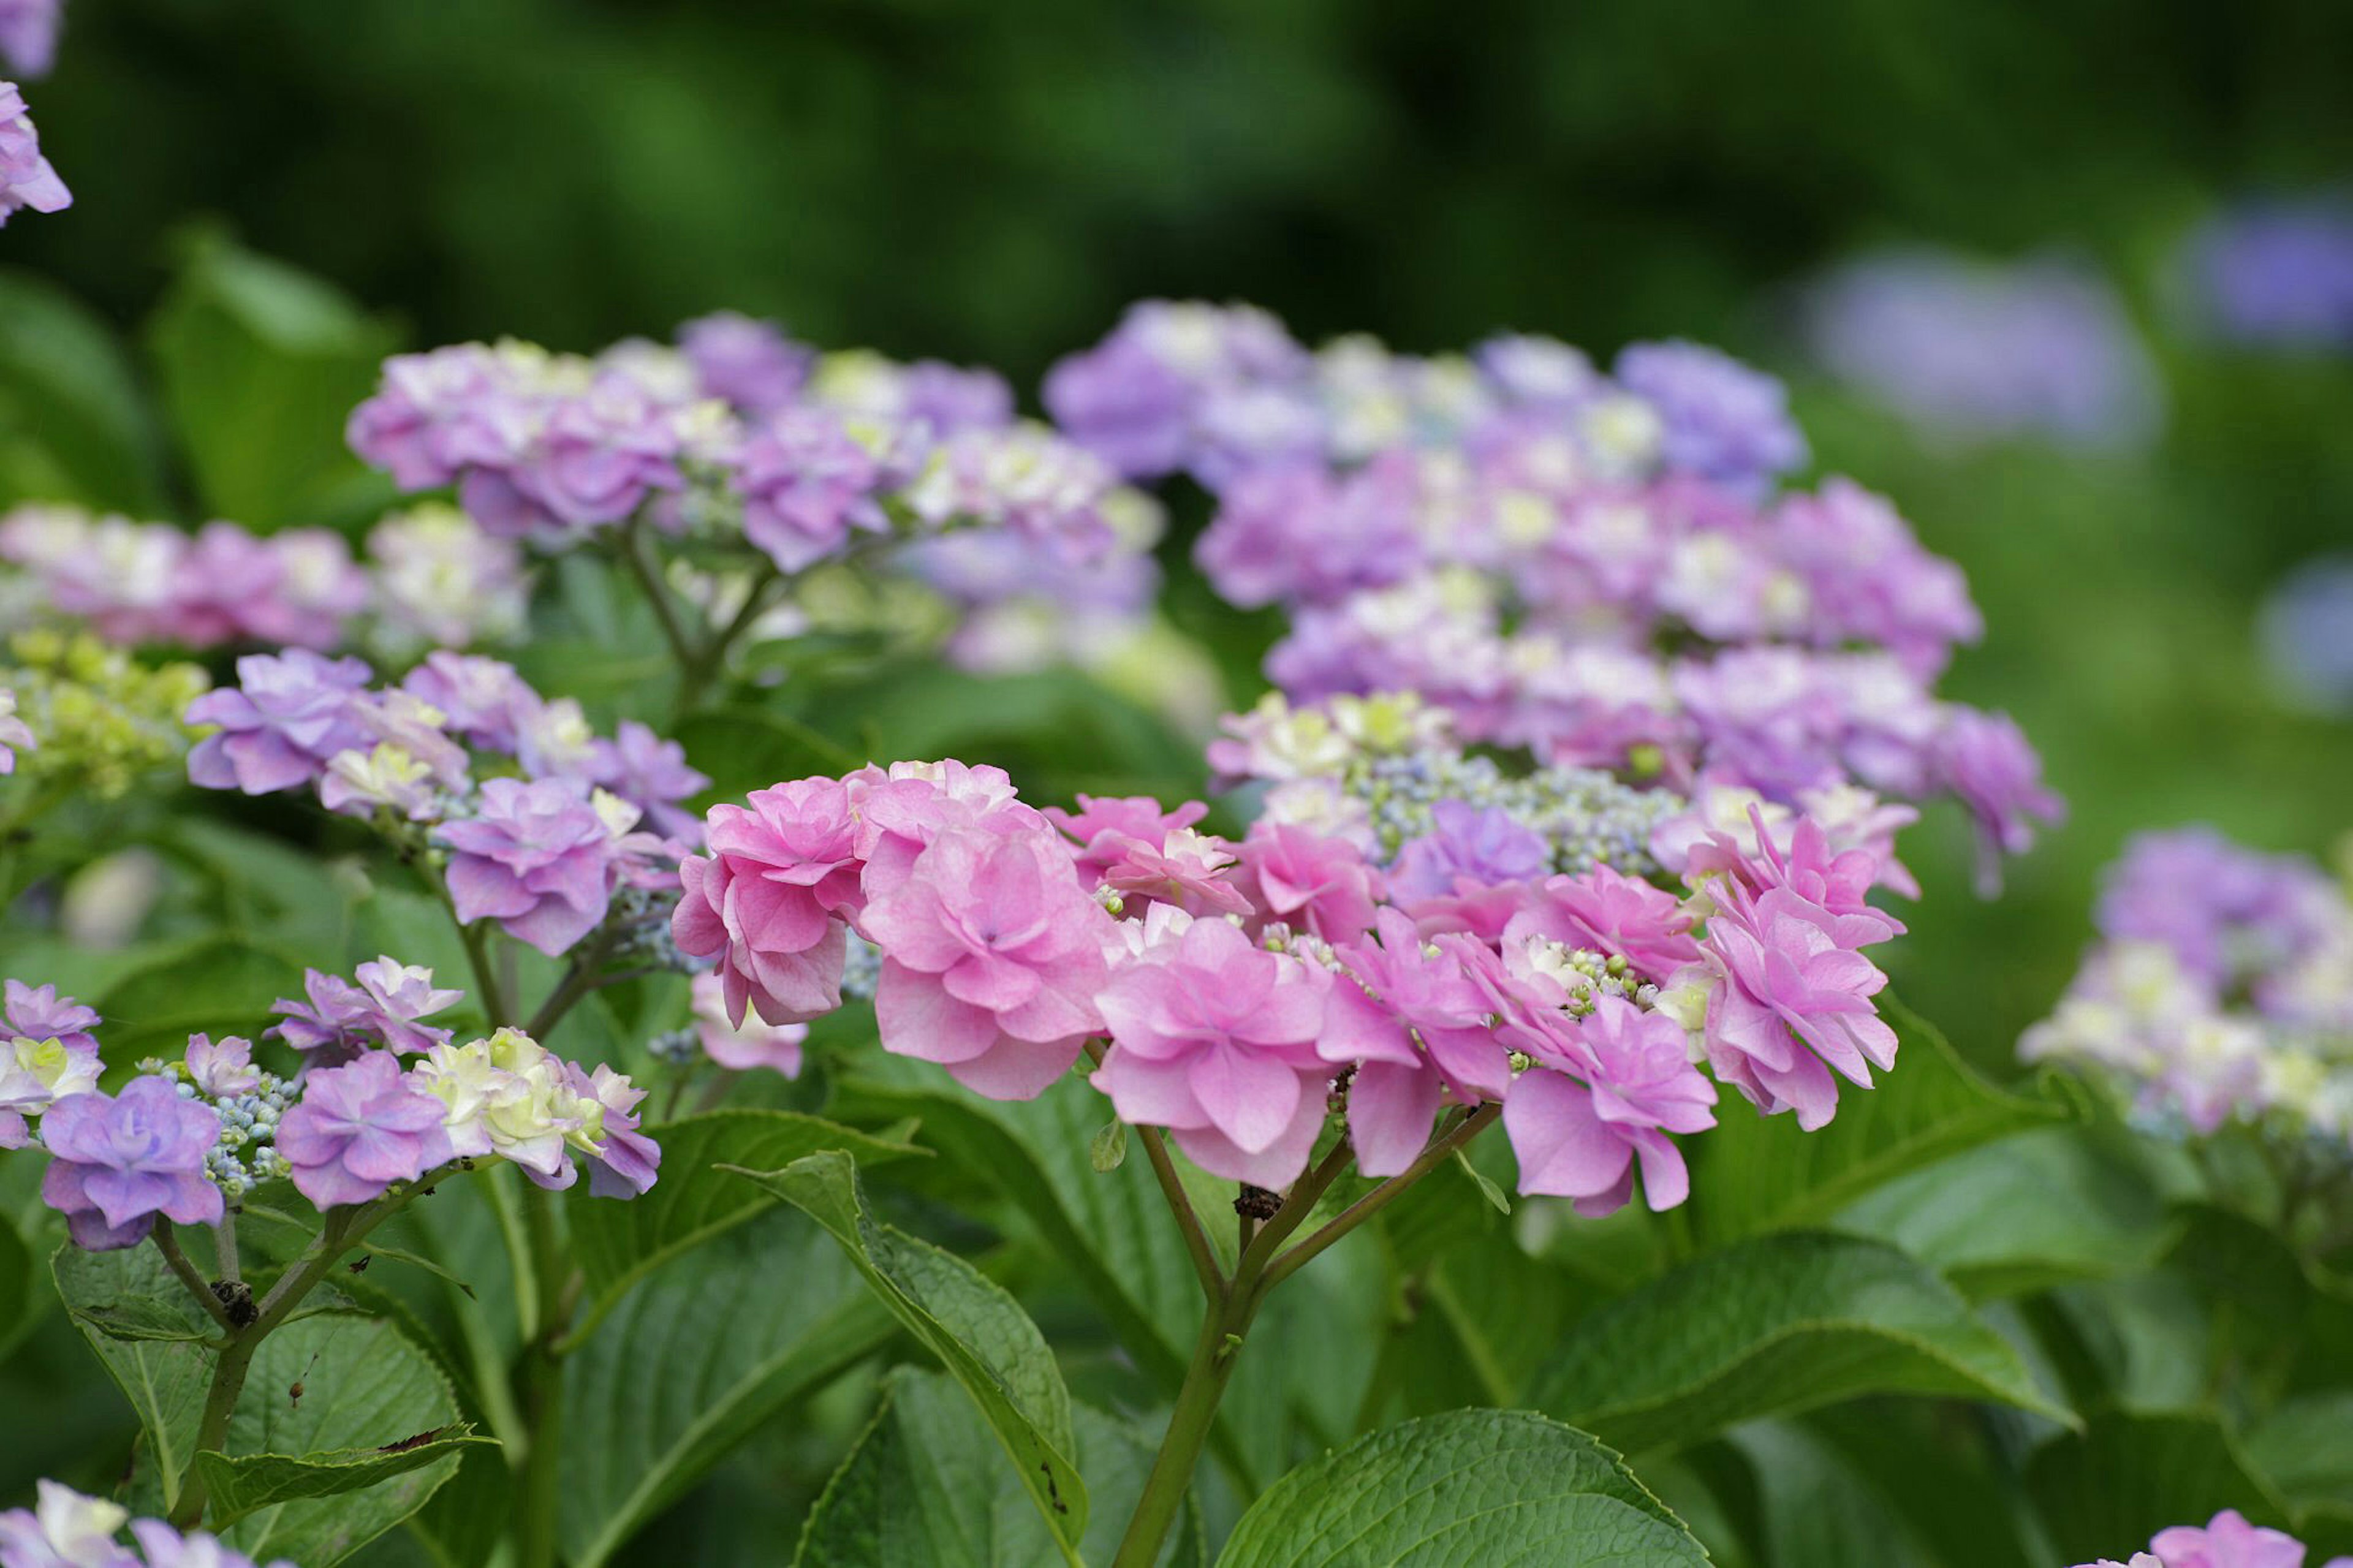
[169, 1245]
[225, 1244]
[1234, 1308]
[1197, 1240]
[697, 670]
[641, 565]
[540, 1376]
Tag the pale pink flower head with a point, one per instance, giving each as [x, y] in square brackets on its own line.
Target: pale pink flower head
[1582, 1120]
[1614, 914]
[1420, 1028]
[1310, 882]
[902, 810]
[1103, 825]
[1190, 869]
[2227, 1542]
[992, 957]
[1793, 1000]
[1838, 881]
[768, 900]
[222, 1070]
[743, 1044]
[1215, 1038]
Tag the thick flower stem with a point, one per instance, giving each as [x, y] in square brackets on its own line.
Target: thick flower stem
[540, 1378]
[641, 564]
[1234, 1308]
[185, 1273]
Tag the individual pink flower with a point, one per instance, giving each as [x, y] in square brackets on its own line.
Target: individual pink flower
[1610, 913]
[1103, 825]
[1314, 883]
[1580, 1121]
[358, 1129]
[1419, 1028]
[742, 1045]
[625, 1163]
[1190, 869]
[222, 1070]
[118, 1161]
[1839, 882]
[902, 810]
[1792, 1000]
[1215, 1038]
[26, 180]
[2227, 1542]
[992, 957]
[768, 900]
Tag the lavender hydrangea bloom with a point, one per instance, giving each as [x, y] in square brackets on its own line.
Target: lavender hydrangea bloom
[651, 774]
[1484, 846]
[38, 1011]
[167, 1548]
[29, 36]
[1967, 350]
[286, 717]
[2306, 633]
[536, 859]
[358, 1129]
[25, 178]
[117, 1162]
[625, 1162]
[2279, 273]
[64, 1530]
[749, 364]
[339, 1020]
[1724, 421]
[35, 1072]
[807, 482]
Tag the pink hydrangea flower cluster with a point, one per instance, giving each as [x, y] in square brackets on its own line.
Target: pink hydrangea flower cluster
[543, 854]
[432, 579]
[2227, 1540]
[1238, 992]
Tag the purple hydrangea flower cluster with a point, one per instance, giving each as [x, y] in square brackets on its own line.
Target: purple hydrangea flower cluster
[64, 1529]
[25, 178]
[1247, 989]
[1968, 351]
[1595, 569]
[2221, 989]
[2277, 273]
[338, 1020]
[116, 1162]
[543, 854]
[46, 1054]
[434, 579]
[29, 36]
[2226, 1541]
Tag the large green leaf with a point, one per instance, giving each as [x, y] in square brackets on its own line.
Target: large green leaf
[744, 748]
[692, 1359]
[236, 1486]
[2021, 1214]
[260, 365]
[923, 1486]
[2103, 1492]
[2305, 1449]
[618, 1244]
[73, 426]
[1473, 1486]
[216, 985]
[1770, 1326]
[364, 1387]
[164, 1377]
[1756, 1174]
[978, 1332]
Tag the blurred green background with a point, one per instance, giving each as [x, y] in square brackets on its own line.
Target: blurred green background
[994, 182]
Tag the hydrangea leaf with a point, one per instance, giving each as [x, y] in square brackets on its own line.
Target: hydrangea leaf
[1757, 1173]
[978, 1332]
[618, 1244]
[364, 1387]
[910, 1490]
[73, 426]
[221, 984]
[1769, 1327]
[2021, 1214]
[1470, 1486]
[692, 1358]
[259, 363]
[2305, 1446]
[2103, 1492]
[164, 1378]
[244, 1484]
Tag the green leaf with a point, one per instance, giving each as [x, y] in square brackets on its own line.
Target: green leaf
[260, 365]
[979, 1333]
[1108, 1148]
[693, 1359]
[364, 1387]
[618, 1244]
[73, 426]
[1772, 1326]
[1472, 1485]
[2105, 1491]
[744, 748]
[247, 1483]
[164, 1378]
[15, 1285]
[1817, 1513]
[219, 984]
[2305, 1449]
[920, 1487]
[2021, 1214]
[1758, 1174]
